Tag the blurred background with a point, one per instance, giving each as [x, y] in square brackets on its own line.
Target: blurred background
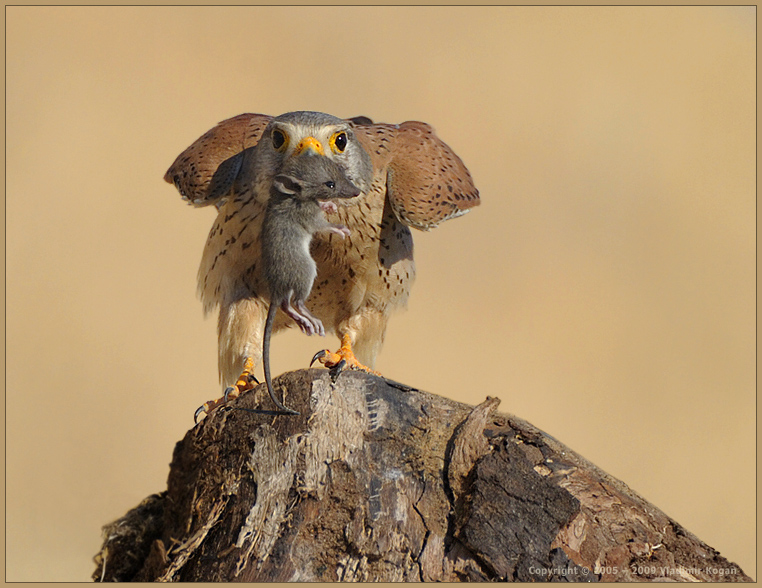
[604, 290]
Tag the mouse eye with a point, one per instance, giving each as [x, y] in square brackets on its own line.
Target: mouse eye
[279, 140]
[339, 142]
[331, 185]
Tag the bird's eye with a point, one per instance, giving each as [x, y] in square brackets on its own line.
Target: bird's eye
[331, 185]
[339, 142]
[279, 140]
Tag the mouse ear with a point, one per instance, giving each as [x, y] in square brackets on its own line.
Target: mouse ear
[288, 185]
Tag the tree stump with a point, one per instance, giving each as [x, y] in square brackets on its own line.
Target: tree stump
[377, 481]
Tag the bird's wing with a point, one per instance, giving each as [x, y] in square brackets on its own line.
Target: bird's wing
[205, 171]
[426, 182]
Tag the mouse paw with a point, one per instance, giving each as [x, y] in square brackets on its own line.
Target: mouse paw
[327, 205]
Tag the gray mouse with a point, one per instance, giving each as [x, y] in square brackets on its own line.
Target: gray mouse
[299, 197]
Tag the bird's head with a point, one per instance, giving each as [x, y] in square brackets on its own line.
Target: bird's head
[312, 134]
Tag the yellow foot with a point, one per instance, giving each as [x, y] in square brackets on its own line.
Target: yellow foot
[343, 359]
[245, 382]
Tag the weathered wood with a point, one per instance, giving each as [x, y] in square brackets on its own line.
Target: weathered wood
[378, 481]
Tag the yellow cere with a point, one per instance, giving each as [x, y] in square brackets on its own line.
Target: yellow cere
[311, 143]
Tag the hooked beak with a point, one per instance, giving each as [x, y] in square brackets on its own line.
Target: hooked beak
[309, 145]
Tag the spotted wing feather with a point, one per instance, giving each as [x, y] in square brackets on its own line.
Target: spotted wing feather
[427, 183]
[205, 171]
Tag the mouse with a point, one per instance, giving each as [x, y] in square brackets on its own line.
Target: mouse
[300, 196]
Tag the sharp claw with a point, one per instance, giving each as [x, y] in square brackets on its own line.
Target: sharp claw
[243, 384]
[318, 355]
[336, 370]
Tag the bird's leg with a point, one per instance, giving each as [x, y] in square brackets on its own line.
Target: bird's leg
[343, 359]
[240, 328]
[245, 382]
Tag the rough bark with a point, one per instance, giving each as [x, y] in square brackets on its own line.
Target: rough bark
[376, 481]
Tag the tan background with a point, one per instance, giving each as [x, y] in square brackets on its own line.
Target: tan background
[604, 290]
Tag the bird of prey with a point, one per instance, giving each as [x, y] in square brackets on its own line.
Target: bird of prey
[408, 178]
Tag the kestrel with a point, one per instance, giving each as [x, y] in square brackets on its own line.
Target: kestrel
[408, 177]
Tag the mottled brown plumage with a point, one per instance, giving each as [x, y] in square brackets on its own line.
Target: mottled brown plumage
[408, 178]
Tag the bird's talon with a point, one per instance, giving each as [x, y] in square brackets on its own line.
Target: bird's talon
[343, 359]
[243, 383]
[336, 370]
[320, 354]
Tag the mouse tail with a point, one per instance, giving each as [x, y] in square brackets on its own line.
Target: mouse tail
[271, 312]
